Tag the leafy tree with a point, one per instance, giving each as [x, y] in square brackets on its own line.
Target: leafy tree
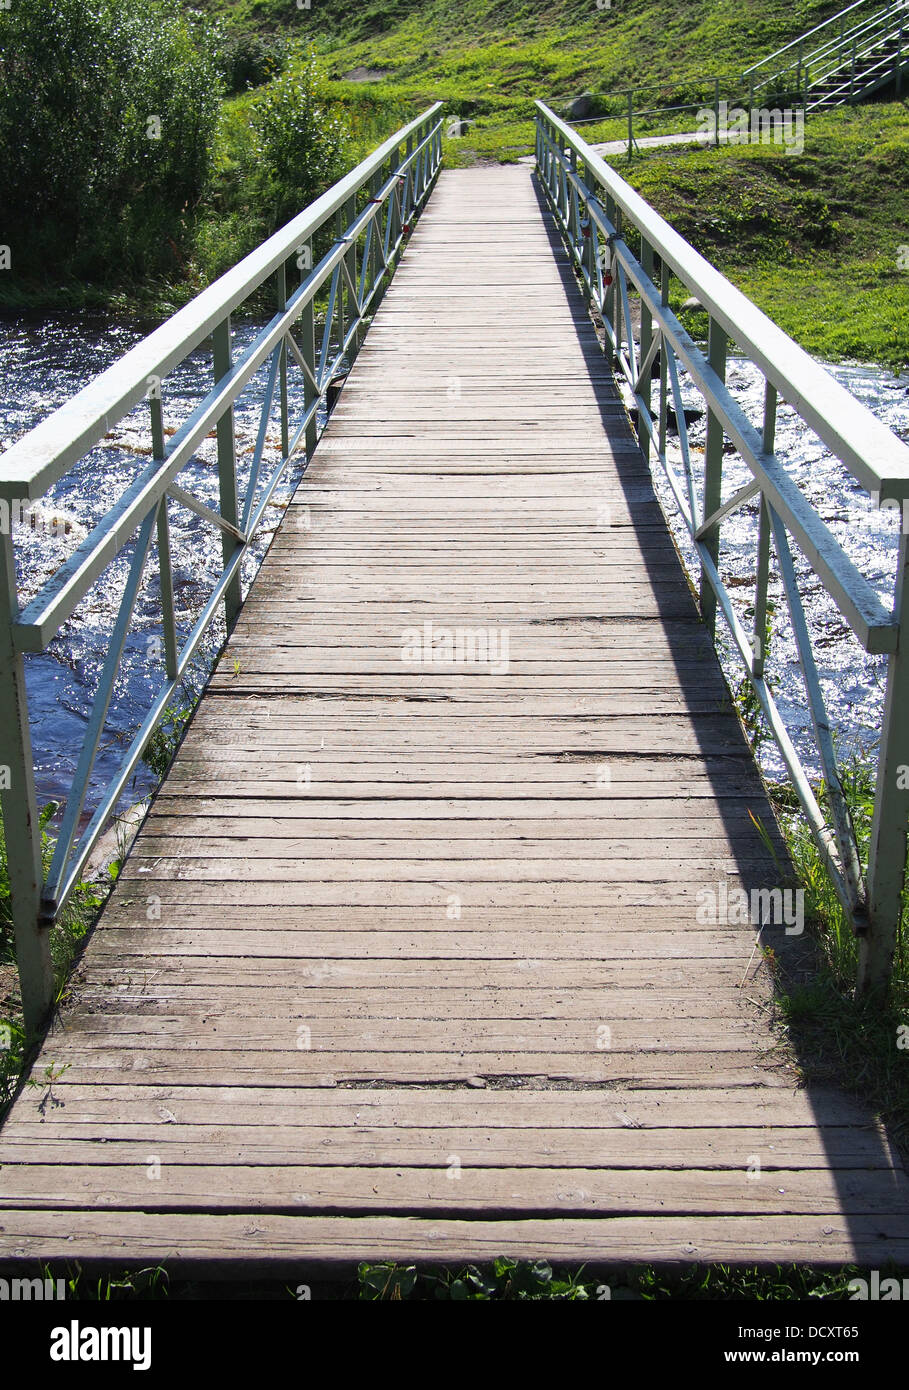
[302, 145]
[107, 114]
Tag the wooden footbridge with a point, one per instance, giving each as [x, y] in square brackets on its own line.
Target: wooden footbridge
[423, 951]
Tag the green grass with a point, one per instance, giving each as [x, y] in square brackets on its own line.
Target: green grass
[812, 238]
[504, 51]
[837, 1037]
[66, 939]
[833, 1036]
[500, 1280]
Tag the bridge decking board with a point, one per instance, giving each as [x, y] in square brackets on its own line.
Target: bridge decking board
[448, 901]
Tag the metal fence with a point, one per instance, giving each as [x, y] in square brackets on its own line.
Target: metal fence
[595, 208]
[370, 211]
[853, 53]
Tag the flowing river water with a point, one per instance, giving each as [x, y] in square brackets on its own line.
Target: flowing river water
[44, 361]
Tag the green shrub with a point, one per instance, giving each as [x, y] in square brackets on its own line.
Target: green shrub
[248, 60]
[107, 113]
[302, 144]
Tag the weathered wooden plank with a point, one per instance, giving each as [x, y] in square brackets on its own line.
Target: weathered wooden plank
[511, 1109]
[180, 1065]
[269, 1244]
[505, 1193]
[729, 1148]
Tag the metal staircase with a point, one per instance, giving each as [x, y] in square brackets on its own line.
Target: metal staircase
[861, 49]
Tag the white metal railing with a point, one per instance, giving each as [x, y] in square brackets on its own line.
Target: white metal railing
[859, 49]
[594, 207]
[834, 26]
[369, 211]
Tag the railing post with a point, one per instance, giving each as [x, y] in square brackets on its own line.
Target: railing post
[573, 201]
[898, 60]
[664, 361]
[21, 826]
[646, 338]
[281, 298]
[630, 121]
[616, 302]
[374, 241]
[763, 547]
[887, 850]
[394, 210]
[590, 250]
[339, 299]
[165, 566]
[227, 470]
[351, 260]
[307, 341]
[713, 472]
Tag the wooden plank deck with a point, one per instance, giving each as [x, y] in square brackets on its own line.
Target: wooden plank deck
[406, 961]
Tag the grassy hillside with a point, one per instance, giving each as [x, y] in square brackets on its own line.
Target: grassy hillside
[813, 238]
[491, 57]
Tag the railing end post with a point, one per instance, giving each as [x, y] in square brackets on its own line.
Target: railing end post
[890, 822]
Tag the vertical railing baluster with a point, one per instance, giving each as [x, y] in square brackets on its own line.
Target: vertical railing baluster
[573, 209]
[342, 285]
[590, 250]
[664, 361]
[351, 261]
[762, 574]
[616, 303]
[306, 337]
[166, 574]
[374, 241]
[887, 851]
[713, 472]
[227, 469]
[898, 63]
[646, 338]
[21, 825]
[281, 298]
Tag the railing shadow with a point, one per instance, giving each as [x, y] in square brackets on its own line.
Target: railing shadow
[853, 1142]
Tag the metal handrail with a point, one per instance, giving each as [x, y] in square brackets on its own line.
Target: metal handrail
[846, 51]
[794, 43]
[592, 205]
[388, 187]
[885, 66]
